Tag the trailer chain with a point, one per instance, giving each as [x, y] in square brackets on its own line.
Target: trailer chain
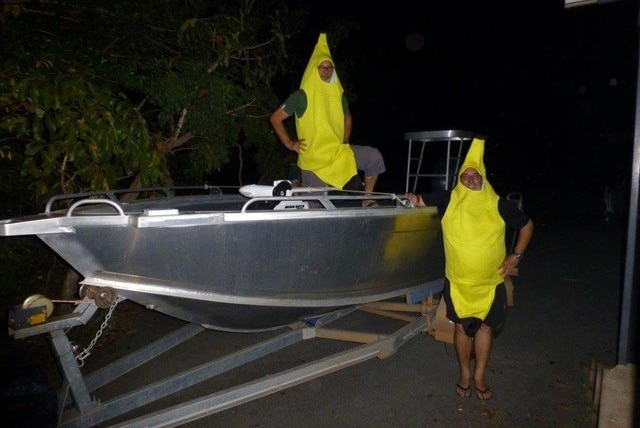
[86, 352]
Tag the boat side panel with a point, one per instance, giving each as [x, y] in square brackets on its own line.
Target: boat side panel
[302, 257]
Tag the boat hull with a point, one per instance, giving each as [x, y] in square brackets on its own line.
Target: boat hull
[245, 270]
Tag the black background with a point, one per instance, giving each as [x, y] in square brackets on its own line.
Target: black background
[553, 89]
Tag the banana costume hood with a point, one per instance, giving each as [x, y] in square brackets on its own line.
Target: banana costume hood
[474, 241]
[322, 124]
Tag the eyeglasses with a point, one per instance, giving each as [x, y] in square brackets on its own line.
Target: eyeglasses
[470, 177]
[326, 67]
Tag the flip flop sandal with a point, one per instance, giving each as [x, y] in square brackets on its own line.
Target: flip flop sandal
[462, 391]
[482, 394]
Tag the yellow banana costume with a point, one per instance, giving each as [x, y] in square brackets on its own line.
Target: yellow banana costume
[322, 124]
[474, 241]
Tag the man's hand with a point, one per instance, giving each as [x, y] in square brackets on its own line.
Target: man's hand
[416, 200]
[509, 265]
[298, 146]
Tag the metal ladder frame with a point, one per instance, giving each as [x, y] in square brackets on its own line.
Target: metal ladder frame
[415, 161]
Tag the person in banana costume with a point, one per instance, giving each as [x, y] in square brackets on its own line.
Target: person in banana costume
[474, 223]
[323, 127]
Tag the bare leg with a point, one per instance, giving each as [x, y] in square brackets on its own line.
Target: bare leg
[464, 347]
[370, 183]
[482, 347]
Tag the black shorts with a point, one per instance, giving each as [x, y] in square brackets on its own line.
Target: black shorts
[494, 319]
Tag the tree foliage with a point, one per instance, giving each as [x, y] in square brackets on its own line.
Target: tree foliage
[68, 134]
[98, 95]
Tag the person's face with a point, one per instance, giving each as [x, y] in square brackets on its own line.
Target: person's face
[325, 69]
[471, 179]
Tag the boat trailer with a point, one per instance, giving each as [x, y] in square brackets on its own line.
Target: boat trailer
[78, 408]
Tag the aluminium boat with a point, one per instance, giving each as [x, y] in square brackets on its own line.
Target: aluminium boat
[231, 262]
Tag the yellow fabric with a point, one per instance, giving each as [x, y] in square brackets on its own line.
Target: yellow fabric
[322, 124]
[474, 241]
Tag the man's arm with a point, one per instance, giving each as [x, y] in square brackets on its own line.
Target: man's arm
[524, 236]
[512, 260]
[277, 121]
[439, 199]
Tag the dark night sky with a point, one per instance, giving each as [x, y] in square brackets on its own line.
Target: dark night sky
[553, 89]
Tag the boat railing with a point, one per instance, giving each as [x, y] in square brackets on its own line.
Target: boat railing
[115, 195]
[94, 201]
[324, 201]
[108, 202]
